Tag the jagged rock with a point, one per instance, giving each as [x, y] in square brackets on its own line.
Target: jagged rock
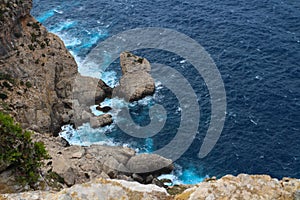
[245, 187]
[99, 189]
[136, 82]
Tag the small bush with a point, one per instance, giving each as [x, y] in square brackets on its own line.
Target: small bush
[18, 151]
[7, 77]
[31, 47]
[28, 84]
[3, 96]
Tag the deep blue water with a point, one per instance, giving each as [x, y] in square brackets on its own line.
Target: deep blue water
[256, 47]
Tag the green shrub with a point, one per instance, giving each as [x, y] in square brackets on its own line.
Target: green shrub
[3, 96]
[28, 84]
[18, 151]
[4, 76]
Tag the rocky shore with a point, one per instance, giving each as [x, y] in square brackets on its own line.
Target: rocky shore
[42, 90]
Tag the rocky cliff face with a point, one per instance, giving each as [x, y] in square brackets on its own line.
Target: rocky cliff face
[10, 13]
[40, 66]
[37, 72]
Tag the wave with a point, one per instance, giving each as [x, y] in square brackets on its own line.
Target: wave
[188, 176]
[42, 18]
[86, 136]
[63, 26]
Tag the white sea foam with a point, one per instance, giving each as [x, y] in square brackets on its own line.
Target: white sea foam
[65, 25]
[183, 176]
[86, 136]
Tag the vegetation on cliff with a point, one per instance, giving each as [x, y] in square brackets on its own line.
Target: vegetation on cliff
[17, 150]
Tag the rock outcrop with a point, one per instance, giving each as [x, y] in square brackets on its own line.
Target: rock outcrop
[246, 187]
[98, 189]
[136, 81]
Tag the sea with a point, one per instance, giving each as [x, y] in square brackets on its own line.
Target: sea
[255, 46]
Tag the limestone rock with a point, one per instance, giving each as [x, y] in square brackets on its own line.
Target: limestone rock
[101, 121]
[149, 163]
[245, 187]
[99, 189]
[90, 91]
[136, 81]
[131, 63]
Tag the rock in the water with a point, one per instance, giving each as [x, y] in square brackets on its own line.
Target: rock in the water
[149, 163]
[90, 91]
[104, 109]
[136, 81]
[131, 63]
[101, 121]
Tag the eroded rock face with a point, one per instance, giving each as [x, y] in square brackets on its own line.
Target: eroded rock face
[45, 77]
[243, 186]
[11, 11]
[99, 189]
[38, 60]
[136, 82]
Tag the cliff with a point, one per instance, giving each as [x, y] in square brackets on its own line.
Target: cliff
[37, 73]
[40, 70]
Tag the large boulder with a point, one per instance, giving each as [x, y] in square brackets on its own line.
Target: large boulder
[149, 164]
[136, 81]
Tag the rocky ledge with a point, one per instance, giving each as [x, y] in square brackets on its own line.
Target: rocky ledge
[244, 187]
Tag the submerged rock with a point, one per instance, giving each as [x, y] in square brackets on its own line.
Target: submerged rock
[136, 81]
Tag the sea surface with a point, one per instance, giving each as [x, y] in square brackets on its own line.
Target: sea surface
[256, 48]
